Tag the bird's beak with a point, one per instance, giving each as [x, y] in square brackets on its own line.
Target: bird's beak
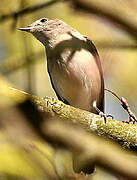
[27, 29]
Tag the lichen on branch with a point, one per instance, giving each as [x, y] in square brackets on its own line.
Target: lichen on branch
[124, 133]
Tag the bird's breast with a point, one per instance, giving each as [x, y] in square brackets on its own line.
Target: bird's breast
[76, 77]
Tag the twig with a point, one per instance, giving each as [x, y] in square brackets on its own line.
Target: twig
[91, 8]
[28, 10]
[12, 65]
[125, 105]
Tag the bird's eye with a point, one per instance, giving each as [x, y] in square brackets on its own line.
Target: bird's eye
[43, 20]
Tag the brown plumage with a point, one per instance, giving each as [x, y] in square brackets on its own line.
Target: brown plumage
[73, 63]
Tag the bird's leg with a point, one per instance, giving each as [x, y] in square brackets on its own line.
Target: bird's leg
[102, 114]
[52, 99]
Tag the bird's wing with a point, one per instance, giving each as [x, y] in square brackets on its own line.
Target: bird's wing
[59, 97]
[94, 51]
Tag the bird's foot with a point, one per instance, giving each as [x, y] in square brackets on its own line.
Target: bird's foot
[105, 116]
[51, 100]
[102, 114]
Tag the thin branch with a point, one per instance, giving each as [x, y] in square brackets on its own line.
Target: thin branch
[116, 45]
[84, 6]
[28, 10]
[9, 66]
[117, 19]
[125, 105]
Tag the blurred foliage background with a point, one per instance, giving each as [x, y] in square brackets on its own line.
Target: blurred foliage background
[23, 59]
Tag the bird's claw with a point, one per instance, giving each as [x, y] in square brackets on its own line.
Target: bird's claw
[105, 116]
[101, 114]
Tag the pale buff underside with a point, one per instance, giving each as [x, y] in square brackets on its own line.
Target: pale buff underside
[76, 80]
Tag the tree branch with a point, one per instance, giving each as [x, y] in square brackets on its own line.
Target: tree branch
[88, 147]
[117, 19]
[28, 10]
[9, 66]
[84, 6]
[125, 134]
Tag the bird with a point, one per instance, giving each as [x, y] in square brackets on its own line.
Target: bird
[73, 64]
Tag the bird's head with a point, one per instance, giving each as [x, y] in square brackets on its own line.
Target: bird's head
[46, 29]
